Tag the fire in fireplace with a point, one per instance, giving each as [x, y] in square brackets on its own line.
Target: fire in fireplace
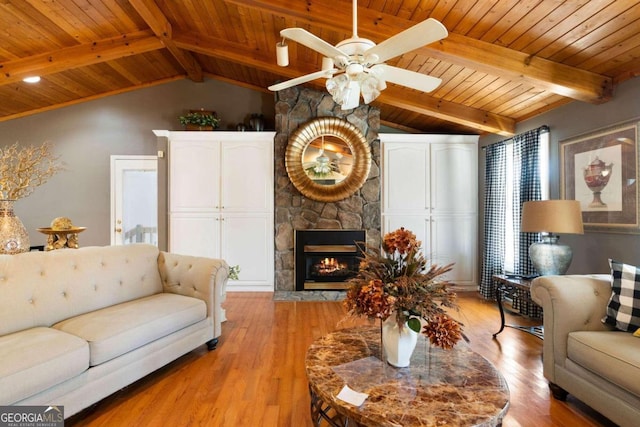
[329, 267]
[326, 259]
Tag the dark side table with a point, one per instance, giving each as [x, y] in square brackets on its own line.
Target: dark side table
[518, 289]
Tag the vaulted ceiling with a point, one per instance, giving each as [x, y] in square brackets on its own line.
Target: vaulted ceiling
[503, 61]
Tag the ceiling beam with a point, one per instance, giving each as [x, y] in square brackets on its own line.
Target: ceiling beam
[227, 50]
[161, 27]
[517, 66]
[78, 56]
[457, 49]
[422, 103]
[403, 98]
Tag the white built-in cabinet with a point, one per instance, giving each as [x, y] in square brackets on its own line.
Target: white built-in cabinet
[220, 201]
[430, 186]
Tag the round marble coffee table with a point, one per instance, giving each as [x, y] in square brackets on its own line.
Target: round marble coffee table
[441, 387]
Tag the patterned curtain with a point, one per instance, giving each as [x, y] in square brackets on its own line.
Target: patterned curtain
[526, 187]
[494, 216]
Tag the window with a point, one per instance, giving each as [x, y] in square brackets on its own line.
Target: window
[516, 171]
[511, 227]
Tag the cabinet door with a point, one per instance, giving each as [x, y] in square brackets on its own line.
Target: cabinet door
[454, 240]
[445, 239]
[194, 176]
[247, 241]
[454, 177]
[247, 176]
[194, 234]
[405, 177]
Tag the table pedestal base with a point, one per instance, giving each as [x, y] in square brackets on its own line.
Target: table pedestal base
[323, 411]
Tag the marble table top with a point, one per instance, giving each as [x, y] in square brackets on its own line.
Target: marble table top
[441, 387]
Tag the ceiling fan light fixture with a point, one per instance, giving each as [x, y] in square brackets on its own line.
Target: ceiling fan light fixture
[337, 86]
[31, 79]
[369, 89]
[354, 70]
[351, 96]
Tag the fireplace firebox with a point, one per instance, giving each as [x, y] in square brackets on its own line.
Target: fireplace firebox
[326, 259]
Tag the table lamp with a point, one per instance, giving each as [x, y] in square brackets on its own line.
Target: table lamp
[550, 217]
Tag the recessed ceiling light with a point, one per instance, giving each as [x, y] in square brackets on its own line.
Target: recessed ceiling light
[32, 79]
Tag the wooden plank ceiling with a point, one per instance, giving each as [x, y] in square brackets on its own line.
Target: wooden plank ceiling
[504, 61]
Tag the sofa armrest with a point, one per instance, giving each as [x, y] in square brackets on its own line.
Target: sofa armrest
[569, 303]
[198, 277]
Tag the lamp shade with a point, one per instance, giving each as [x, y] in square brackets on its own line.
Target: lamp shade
[552, 216]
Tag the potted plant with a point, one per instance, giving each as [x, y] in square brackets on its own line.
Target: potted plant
[200, 120]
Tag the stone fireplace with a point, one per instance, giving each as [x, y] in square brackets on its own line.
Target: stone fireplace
[293, 211]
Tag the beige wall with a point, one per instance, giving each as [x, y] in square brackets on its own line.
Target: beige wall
[591, 250]
[85, 135]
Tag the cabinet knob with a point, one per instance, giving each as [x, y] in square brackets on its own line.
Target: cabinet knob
[118, 230]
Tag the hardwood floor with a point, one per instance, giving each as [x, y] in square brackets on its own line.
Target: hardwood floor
[256, 376]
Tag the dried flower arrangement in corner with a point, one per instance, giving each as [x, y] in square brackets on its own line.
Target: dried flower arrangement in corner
[24, 168]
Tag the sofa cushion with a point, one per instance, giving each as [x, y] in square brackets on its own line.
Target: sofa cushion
[35, 359]
[118, 329]
[623, 310]
[613, 355]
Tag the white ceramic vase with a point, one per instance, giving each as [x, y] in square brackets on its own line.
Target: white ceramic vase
[398, 344]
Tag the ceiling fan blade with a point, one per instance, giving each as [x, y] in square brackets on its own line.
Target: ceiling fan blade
[302, 79]
[311, 41]
[419, 35]
[411, 79]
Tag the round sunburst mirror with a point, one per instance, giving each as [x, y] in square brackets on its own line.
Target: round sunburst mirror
[328, 159]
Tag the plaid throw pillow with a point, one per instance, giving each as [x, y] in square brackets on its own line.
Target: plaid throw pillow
[623, 310]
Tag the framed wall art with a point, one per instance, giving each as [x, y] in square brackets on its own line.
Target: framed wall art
[600, 170]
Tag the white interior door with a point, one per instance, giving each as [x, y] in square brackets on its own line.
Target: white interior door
[134, 199]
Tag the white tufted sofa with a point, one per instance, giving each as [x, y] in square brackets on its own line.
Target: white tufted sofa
[79, 324]
[581, 355]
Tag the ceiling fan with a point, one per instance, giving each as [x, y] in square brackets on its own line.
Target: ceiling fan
[355, 66]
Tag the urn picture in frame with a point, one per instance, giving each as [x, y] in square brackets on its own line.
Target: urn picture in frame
[605, 162]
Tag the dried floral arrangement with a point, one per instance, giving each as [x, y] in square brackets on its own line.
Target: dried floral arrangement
[397, 281]
[24, 168]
